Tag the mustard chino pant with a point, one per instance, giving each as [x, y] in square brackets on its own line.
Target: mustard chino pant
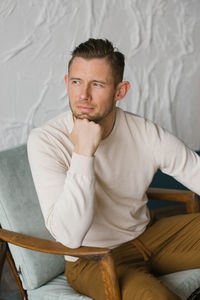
[171, 244]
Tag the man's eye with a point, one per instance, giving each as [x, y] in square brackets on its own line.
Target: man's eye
[75, 82]
[97, 84]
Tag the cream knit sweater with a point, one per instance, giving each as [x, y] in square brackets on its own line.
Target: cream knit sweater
[100, 201]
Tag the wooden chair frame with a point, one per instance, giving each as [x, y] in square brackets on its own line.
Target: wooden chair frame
[101, 255]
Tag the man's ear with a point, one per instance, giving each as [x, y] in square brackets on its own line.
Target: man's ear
[66, 80]
[122, 90]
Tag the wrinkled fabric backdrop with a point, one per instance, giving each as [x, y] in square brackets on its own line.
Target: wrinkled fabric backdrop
[161, 41]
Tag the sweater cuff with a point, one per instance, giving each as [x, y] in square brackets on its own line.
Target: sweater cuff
[81, 164]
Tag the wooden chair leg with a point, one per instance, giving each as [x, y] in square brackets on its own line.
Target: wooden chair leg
[109, 277]
[15, 273]
[3, 247]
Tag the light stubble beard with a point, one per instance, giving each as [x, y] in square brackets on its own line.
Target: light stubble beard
[96, 118]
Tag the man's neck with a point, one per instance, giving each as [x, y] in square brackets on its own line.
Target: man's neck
[108, 123]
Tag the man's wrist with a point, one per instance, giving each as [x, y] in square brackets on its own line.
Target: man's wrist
[85, 152]
[81, 164]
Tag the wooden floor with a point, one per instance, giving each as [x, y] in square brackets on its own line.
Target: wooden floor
[8, 287]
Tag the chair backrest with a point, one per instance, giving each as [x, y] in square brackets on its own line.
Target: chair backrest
[20, 212]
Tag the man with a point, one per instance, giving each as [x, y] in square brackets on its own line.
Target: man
[92, 167]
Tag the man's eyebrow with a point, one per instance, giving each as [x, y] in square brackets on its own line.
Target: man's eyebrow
[74, 78]
[100, 81]
[94, 80]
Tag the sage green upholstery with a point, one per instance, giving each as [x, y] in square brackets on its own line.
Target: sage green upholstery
[20, 212]
[42, 274]
[57, 289]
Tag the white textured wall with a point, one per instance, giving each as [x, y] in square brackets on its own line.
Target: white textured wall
[160, 38]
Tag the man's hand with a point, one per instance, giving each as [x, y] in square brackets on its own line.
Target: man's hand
[86, 136]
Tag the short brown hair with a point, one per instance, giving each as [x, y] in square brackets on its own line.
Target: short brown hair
[99, 48]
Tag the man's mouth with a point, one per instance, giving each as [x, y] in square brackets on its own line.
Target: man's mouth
[85, 108]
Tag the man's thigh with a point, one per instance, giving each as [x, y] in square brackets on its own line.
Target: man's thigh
[174, 243]
[85, 277]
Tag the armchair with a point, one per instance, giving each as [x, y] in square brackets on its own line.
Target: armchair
[36, 259]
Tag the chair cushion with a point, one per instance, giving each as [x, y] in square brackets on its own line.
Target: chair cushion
[20, 211]
[182, 283]
[56, 289]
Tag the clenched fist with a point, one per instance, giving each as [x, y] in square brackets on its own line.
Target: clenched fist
[86, 136]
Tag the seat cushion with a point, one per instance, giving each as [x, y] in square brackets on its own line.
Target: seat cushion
[56, 289]
[182, 283]
[20, 211]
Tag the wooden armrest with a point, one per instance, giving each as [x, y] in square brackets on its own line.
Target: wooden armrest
[171, 194]
[103, 255]
[189, 198]
[47, 246]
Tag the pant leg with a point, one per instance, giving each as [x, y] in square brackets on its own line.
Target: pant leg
[85, 277]
[135, 281]
[174, 243]
[134, 275]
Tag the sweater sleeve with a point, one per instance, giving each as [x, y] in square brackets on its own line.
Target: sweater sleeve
[65, 193]
[174, 158]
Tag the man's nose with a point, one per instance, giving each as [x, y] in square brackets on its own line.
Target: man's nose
[85, 92]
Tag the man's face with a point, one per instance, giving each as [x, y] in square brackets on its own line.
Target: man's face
[91, 89]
